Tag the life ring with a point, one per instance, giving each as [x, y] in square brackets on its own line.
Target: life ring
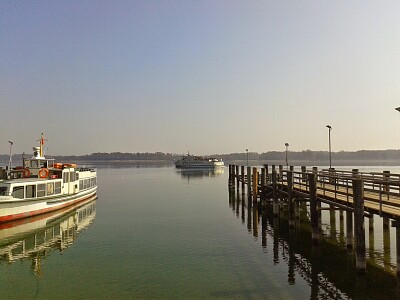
[26, 173]
[43, 173]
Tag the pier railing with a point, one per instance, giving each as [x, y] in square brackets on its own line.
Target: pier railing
[360, 194]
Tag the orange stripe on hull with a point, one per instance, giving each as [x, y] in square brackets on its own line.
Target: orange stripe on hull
[38, 212]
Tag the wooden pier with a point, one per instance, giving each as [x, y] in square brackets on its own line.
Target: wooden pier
[361, 195]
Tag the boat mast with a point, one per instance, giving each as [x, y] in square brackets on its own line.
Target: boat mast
[41, 145]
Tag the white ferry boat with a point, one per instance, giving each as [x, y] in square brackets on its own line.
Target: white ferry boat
[192, 161]
[40, 185]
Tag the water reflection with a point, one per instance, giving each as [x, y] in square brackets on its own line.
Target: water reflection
[34, 238]
[327, 268]
[195, 174]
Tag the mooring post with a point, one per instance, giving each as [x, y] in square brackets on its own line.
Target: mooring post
[398, 246]
[319, 211]
[280, 171]
[230, 176]
[303, 173]
[249, 181]
[275, 203]
[358, 199]
[290, 199]
[237, 177]
[255, 185]
[291, 168]
[243, 179]
[233, 176]
[312, 179]
[263, 178]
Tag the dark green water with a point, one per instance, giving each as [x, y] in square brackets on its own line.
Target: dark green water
[161, 233]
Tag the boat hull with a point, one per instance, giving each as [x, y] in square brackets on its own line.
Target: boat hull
[18, 209]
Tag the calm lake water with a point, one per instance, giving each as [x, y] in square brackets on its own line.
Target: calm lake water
[158, 232]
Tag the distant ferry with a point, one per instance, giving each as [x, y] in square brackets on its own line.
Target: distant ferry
[192, 161]
[40, 185]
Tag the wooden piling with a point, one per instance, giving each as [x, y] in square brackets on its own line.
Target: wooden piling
[255, 185]
[249, 181]
[243, 179]
[263, 181]
[358, 198]
[398, 246]
[237, 178]
[349, 229]
[275, 203]
[312, 179]
[290, 199]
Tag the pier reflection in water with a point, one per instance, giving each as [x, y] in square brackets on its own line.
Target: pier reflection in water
[328, 268]
[36, 237]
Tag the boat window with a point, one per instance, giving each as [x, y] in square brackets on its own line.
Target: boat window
[30, 191]
[81, 184]
[92, 181]
[18, 192]
[50, 163]
[3, 190]
[86, 183]
[57, 189]
[72, 176]
[50, 188]
[41, 190]
[65, 177]
[34, 164]
[77, 176]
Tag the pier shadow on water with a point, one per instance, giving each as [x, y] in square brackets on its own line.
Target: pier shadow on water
[329, 267]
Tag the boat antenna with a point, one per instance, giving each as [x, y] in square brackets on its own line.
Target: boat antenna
[10, 162]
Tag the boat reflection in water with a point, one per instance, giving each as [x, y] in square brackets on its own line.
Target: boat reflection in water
[200, 173]
[35, 237]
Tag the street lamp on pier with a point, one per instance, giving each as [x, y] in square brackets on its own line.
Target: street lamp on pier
[287, 164]
[10, 162]
[330, 149]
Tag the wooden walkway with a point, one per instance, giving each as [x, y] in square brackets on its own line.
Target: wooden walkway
[359, 194]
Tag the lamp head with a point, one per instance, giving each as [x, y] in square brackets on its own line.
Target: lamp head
[329, 126]
[397, 108]
[286, 144]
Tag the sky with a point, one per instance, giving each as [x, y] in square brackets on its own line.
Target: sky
[209, 77]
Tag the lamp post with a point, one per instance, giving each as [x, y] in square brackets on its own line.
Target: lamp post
[10, 162]
[287, 164]
[247, 151]
[330, 150]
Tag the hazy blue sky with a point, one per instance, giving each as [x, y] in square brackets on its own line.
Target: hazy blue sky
[205, 76]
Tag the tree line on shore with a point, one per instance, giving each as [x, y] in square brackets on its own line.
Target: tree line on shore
[305, 155]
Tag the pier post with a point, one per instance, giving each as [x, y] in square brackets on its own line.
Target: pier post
[263, 178]
[237, 178]
[275, 203]
[255, 185]
[233, 176]
[243, 179]
[312, 179]
[349, 229]
[303, 175]
[371, 236]
[319, 211]
[398, 246]
[230, 177]
[358, 198]
[249, 181]
[290, 199]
